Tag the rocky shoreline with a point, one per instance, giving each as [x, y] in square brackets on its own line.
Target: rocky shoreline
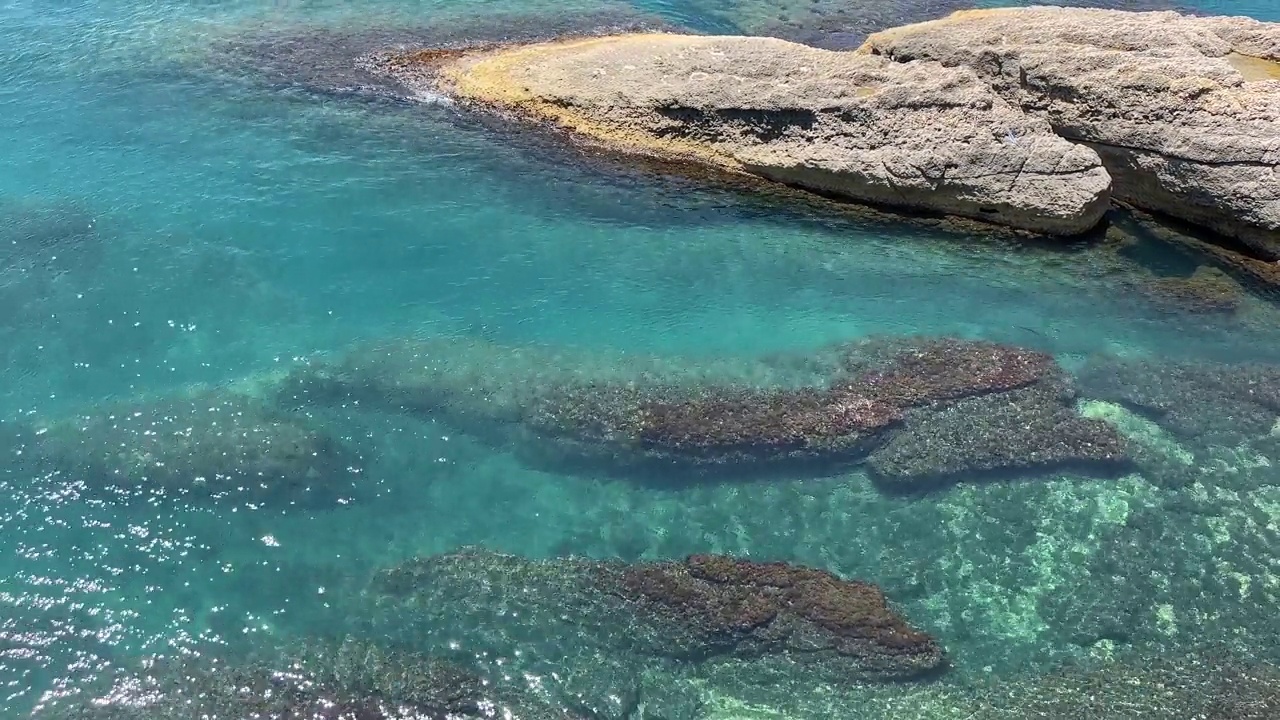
[1028, 118]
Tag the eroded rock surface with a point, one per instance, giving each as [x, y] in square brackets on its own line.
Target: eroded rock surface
[1185, 111]
[918, 137]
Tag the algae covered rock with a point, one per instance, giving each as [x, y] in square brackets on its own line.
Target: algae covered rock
[919, 137]
[1185, 111]
[707, 610]
[717, 425]
[1214, 403]
[925, 409]
[1002, 434]
[756, 608]
[211, 443]
[974, 410]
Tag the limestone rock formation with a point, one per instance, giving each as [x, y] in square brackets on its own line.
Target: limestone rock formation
[1185, 111]
[918, 137]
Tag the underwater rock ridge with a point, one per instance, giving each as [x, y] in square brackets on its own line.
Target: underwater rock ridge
[206, 443]
[919, 137]
[708, 609]
[919, 411]
[1184, 111]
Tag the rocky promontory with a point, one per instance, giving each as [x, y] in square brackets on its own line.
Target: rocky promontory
[1185, 111]
[919, 137]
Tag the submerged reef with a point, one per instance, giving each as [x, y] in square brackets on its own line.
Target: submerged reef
[40, 243]
[705, 615]
[1012, 432]
[333, 60]
[1213, 403]
[352, 680]
[751, 609]
[830, 408]
[208, 443]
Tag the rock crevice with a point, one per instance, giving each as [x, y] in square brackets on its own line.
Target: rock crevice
[1184, 111]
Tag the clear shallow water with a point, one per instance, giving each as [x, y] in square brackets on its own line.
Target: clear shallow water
[200, 228]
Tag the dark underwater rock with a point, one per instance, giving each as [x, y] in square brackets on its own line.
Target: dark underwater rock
[708, 610]
[354, 681]
[38, 234]
[718, 425]
[750, 609]
[918, 371]
[209, 444]
[813, 413]
[1216, 403]
[41, 242]
[1033, 429]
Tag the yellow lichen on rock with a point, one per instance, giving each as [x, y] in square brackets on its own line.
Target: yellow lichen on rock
[501, 79]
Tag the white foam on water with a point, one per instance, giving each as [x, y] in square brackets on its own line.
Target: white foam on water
[430, 98]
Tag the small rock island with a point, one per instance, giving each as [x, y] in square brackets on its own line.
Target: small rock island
[915, 136]
[1030, 118]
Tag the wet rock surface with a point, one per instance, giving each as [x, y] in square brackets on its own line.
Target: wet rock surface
[1183, 110]
[857, 127]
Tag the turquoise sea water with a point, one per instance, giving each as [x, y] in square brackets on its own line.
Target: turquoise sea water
[174, 219]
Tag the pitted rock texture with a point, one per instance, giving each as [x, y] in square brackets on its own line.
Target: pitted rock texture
[1185, 111]
[917, 137]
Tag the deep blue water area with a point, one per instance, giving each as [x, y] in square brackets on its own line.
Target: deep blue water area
[176, 225]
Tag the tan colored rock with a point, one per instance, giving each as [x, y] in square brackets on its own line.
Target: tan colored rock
[919, 137]
[1185, 111]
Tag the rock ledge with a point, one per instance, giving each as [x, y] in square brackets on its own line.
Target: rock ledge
[919, 137]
